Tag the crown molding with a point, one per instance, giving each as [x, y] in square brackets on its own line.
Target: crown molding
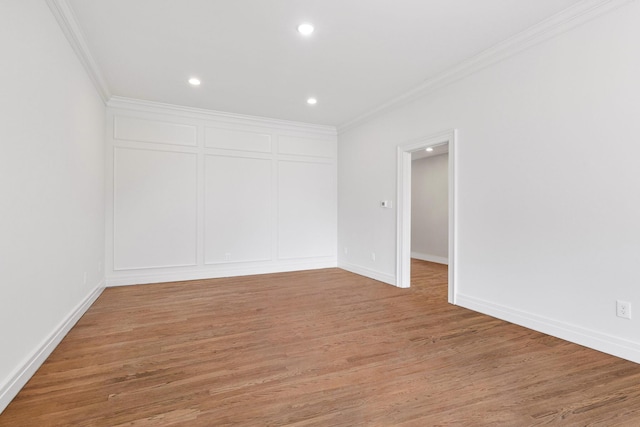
[66, 18]
[139, 105]
[561, 22]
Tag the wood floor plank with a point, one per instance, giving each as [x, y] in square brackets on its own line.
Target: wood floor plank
[316, 348]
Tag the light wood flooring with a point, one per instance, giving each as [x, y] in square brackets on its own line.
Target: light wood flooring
[316, 348]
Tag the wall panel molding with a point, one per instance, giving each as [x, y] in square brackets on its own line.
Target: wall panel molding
[237, 140]
[236, 177]
[218, 118]
[218, 271]
[159, 197]
[306, 210]
[238, 209]
[213, 152]
[155, 131]
[310, 147]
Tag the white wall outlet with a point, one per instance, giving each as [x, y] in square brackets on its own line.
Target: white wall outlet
[373, 256]
[623, 309]
[227, 256]
[346, 250]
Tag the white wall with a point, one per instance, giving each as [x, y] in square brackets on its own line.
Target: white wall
[547, 183]
[51, 187]
[194, 194]
[430, 208]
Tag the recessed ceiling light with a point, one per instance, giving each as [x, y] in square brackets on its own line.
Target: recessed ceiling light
[305, 29]
[429, 149]
[312, 101]
[194, 81]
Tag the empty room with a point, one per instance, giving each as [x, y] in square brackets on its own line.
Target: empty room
[319, 212]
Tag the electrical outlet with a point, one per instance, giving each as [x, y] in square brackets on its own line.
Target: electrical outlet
[623, 309]
[346, 250]
[227, 256]
[373, 256]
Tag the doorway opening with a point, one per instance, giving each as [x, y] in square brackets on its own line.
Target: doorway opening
[403, 228]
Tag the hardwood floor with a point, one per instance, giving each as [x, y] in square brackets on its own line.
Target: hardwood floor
[317, 348]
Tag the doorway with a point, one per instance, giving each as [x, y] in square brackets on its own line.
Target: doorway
[403, 228]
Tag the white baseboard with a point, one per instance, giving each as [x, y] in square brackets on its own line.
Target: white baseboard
[372, 274]
[22, 374]
[624, 349]
[146, 277]
[430, 258]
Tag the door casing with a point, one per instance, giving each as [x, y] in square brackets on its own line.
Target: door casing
[403, 226]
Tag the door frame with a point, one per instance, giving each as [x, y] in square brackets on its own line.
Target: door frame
[403, 226]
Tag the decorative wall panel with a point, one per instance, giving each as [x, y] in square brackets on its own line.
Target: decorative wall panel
[155, 209]
[306, 146]
[238, 209]
[194, 195]
[306, 209]
[228, 139]
[142, 130]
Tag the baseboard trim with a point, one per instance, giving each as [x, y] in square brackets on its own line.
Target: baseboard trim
[9, 390]
[137, 278]
[371, 274]
[624, 349]
[430, 258]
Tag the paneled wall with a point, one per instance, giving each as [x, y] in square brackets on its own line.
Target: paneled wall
[194, 194]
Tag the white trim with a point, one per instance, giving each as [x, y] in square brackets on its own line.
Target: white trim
[578, 14]
[403, 220]
[371, 274]
[430, 258]
[586, 337]
[22, 374]
[565, 20]
[215, 273]
[130, 104]
[163, 149]
[66, 18]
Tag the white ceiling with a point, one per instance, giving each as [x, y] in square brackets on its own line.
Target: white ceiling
[251, 60]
